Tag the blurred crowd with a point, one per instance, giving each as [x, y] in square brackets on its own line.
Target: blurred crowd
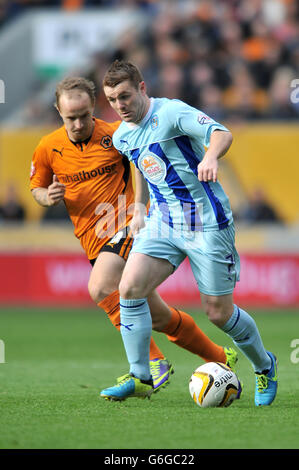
[11, 8]
[234, 59]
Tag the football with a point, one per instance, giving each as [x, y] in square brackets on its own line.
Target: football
[214, 385]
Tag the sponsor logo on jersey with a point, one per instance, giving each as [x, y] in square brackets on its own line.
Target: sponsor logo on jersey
[154, 122]
[87, 175]
[153, 168]
[203, 119]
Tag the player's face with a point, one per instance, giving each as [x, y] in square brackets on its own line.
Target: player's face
[131, 104]
[76, 111]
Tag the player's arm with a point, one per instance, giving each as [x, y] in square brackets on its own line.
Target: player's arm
[50, 196]
[220, 142]
[141, 200]
[45, 187]
[210, 133]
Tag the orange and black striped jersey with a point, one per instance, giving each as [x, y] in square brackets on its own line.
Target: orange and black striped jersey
[98, 179]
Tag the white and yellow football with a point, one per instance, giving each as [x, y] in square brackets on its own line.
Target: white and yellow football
[214, 385]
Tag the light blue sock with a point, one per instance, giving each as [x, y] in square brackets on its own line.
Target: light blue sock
[243, 330]
[136, 330]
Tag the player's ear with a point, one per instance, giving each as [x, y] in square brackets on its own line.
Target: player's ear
[142, 88]
[56, 107]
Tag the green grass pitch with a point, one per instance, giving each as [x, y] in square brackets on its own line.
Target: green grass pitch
[57, 361]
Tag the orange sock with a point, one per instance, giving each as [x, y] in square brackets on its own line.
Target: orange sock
[111, 306]
[183, 331]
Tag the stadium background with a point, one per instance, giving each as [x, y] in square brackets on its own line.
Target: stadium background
[238, 61]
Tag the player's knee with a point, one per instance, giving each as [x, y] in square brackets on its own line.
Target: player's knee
[130, 290]
[215, 311]
[95, 293]
[98, 292]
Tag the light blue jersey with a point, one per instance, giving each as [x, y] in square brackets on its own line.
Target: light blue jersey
[167, 146]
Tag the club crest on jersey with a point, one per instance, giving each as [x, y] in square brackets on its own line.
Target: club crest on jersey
[154, 122]
[153, 168]
[203, 119]
[106, 142]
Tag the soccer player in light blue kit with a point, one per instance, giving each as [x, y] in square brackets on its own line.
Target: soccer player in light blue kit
[189, 216]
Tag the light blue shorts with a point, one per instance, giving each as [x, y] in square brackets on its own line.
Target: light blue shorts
[213, 258]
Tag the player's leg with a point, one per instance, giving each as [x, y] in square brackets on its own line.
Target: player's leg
[141, 275]
[241, 327]
[105, 276]
[177, 325]
[182, 330]
[103, 288]
[216, 269]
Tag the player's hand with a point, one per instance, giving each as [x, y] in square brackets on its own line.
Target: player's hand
[56, 192]
[137, 221]
[208, 169]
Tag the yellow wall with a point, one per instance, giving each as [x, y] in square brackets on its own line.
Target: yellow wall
[16, 150]
[261, 155]
[267, 156]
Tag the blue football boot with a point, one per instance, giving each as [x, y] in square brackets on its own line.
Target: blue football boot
[266, 384]
[128, 386]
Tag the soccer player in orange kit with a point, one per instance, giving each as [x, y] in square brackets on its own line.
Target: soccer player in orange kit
[78, 164]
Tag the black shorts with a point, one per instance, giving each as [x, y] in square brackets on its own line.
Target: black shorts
[120, 244]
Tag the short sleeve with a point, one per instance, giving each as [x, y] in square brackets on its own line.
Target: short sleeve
[193, 122]
[41, 174]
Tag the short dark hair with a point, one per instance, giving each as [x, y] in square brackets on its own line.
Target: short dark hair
[79, 83]
[119, 71]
